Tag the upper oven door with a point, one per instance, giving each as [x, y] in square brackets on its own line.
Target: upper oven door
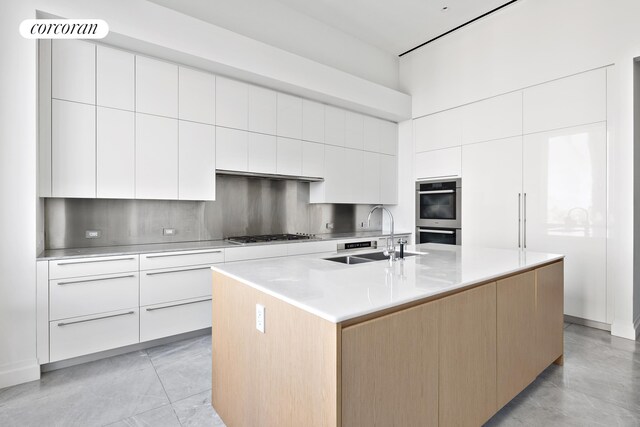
[438, 204]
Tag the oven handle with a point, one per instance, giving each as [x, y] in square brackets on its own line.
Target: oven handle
[437, 192]
[429, 230]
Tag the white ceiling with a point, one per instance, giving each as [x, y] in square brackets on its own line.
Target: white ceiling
[393, 26]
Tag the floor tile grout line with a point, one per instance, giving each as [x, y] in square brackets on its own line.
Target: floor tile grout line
[162, 385]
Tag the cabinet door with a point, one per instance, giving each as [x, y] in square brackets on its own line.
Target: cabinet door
[262, 110]
[156, 87]
[289, 157]
[231, 149]
[232, 104]
[388, 138]
[371, 134]
[437, 131]
[197, 161]
[493, 118]
[549, 317]
[73, 71]
[353, 179]
[354, 130]
[438, 163]
[335, 178]
[262, 153]
[73, 149]
[196, 96]
[572, 101]
[312, 121]
[388, 179]
[467, 374]
[116, 153]
[312, 159]
[156, 157]
[115, 78]
[289, 116]
[334, 126]
[565, 176]
[390, 369]
[372, 175]
[490, 197]
[517, 349]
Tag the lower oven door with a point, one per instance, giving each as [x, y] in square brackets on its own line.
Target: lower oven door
[447, 236]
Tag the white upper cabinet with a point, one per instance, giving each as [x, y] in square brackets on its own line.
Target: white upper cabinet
[156, 87]
[289, 116]
[371, 177]
[372, 139]
[312, 121]
[354, 129]
[493, 118]
[73, 149]
[312, 159]
[388, 137]
[262, 153]
[334, 189]
[73, 71]
[388, 179]
[289, 157]
[354, 180]
[232, 103]
[156, 157]
[572, 101]
[334, 126]
[262, 110]
[196, 161]
[438, 163]
[196, 96]
[436, 131]
[115, 78]
[231, 149]
[115, 154]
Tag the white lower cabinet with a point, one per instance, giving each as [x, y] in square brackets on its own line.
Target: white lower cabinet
[160, 286]
[163, 320]
[180, 259]
[438, 163]
[80, 336]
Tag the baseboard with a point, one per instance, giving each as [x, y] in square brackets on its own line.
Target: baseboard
[18, 373]
[588, 323]
[628, 330]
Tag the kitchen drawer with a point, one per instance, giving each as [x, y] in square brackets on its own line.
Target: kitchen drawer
[174, 318]
[312, 247]
[158, 286]
[94, 266]
[91, 334]
[255, 252]
[180, 259]
[90, 295]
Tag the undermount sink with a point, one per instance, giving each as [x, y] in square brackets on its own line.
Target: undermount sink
[379, 256]
[362, 258]
[349, 260]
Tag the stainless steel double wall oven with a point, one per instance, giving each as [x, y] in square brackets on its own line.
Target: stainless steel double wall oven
[439, 211]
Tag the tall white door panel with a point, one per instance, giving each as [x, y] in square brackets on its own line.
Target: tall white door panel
[115, 78]
[492, 181]
[354, 128]
[156, 157]
[232, 103]
[371, 177]
[156, 87]
[334, 126]
[336, 176]
[262, 153]
[289, 116]
[388, 179]
[388, 138]
[196, 161]
[372, 139]
[565, 179]
[231, 149]
[289, 157]
[115, 154]
[196, 96]
[73, 71]
[73, 149]
[312, 121]
[312, 159]
[262, 110]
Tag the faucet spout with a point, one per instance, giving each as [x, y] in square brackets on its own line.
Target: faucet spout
[391, 251]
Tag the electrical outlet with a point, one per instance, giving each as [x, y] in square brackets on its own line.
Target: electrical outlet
[330, 225]
[168, 231]
[92, 234]
[260, 318]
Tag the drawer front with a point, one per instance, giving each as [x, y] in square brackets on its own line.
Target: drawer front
[94, 266]
[312, 247]
[164, 320]
[255, 252]
[91, 334]
[159, 286]
[90, 295]
[180, 259]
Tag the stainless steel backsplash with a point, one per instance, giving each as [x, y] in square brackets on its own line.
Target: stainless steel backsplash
[243, 206]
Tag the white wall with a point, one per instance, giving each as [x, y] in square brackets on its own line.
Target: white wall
[530, 42]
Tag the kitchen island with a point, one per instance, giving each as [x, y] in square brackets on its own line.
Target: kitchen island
[445, 337]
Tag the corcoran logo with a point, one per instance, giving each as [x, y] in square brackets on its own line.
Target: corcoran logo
[64, 28]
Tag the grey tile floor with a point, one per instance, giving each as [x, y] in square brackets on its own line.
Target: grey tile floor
[599, 385]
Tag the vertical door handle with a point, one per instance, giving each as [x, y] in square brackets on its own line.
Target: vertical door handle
[519, 219]
[524, 229]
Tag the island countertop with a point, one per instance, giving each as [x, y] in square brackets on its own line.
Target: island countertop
[338, 292]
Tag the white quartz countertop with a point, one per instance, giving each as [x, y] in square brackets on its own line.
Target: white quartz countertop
[338, 292]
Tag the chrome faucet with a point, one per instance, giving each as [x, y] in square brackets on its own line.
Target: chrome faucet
[391, 249]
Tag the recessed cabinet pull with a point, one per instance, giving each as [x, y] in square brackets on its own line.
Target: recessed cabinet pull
[177, 305]
[97, 260]
[95, 318]
[519, 219]
[525, 221]
[154, 273]
[190, 253]
[96, 280]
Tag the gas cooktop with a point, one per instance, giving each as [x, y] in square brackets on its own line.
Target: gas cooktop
[269, 238]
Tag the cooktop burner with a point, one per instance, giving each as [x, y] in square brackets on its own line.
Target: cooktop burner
[269, 238]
